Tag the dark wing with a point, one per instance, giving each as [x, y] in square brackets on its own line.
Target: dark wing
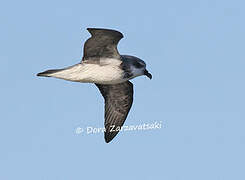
[118, 101]
[103, 43]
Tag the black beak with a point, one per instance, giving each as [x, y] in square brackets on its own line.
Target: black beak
[147, 74]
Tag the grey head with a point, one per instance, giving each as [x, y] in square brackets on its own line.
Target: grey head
[134, 67]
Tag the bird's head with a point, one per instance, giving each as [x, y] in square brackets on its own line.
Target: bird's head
[136, 66]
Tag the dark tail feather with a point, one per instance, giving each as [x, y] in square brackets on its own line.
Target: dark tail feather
[48, 72]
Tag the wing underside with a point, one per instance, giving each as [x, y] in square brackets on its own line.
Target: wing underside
[118, 101]
[102, 44]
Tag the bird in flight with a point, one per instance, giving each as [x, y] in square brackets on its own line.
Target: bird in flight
[110, 72]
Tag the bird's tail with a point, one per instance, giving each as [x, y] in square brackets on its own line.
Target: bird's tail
[72, 73]
[49, 73]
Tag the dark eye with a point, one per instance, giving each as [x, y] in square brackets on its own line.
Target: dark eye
[138, 65]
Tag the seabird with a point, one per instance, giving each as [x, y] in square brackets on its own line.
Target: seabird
[103, 65]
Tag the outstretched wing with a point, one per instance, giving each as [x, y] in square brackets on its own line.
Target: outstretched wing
[103, 43]
[118, 101]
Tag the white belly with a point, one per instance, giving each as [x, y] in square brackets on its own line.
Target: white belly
[92, 73]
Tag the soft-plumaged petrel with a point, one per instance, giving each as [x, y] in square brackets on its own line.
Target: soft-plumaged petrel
[103, 65]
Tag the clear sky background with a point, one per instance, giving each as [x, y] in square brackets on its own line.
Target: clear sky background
[195, 52]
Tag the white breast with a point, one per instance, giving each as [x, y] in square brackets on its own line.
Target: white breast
[107, 73]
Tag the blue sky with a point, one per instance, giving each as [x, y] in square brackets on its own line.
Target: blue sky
[193, 48]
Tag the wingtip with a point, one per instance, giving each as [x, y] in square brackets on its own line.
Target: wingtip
[90, 30]
[108, 137]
